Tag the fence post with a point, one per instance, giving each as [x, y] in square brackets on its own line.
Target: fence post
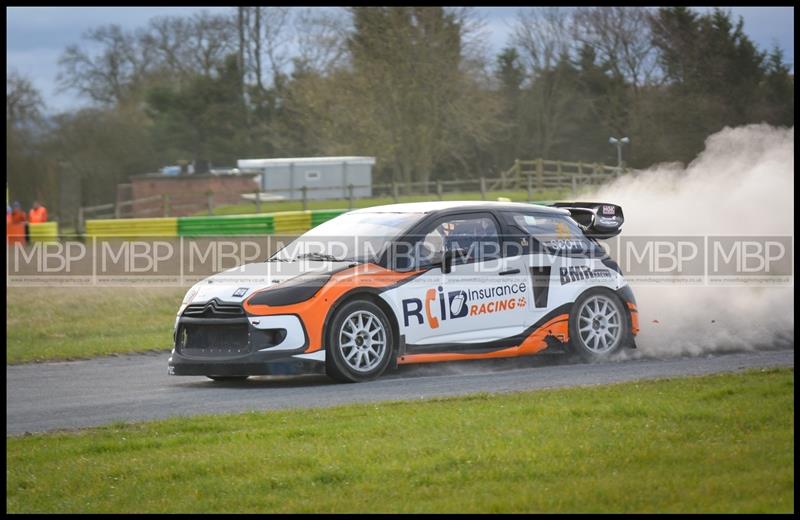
[165, 201]
[529, 186]
[116, 210]
[257, 194]
[394, 190]
[80, 221]
[350, 196]
[540, 173]
[574, 186]
[439, 189]
[304, 190]
[210, 202]
[580, 168]
[483, 188]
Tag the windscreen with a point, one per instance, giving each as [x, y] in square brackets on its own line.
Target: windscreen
[356, 237]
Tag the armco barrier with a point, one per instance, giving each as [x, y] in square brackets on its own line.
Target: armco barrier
[133, 227]
[260, 224]
[43, 232]
[286, 222]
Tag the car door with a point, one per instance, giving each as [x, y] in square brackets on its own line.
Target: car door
[555, 253]
[476, 305]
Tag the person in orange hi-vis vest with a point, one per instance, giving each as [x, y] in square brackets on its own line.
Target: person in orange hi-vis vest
[17, 213]
[15, 230]
[37, 214]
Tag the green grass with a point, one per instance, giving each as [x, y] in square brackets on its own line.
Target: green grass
[50, 323]
[295, 205]
[721, 443]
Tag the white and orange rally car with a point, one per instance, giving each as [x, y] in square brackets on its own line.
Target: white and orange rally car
[414, 283]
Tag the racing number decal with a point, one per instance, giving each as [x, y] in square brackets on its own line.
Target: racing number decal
[540, 277]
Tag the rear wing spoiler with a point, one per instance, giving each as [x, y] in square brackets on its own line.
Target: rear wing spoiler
[598, 219]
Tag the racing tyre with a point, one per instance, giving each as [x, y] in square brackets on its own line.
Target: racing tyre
[359, 343]
[227, 379]
[598, 325]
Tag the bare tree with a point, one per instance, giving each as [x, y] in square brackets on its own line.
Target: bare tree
[320, 36]
[210, 40]
[621, 38]
[543, 37]
[172, 47]
[276, 38]
[23, 102]
[107, 76]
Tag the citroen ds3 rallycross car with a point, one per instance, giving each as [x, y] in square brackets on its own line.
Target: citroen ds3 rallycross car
[414, 283]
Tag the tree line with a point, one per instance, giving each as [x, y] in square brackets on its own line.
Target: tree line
[415, 87]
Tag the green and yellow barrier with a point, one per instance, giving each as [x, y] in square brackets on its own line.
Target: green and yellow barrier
[286, 222]
[133, 227]
[259, 224]
[43, 232]
[318, 216]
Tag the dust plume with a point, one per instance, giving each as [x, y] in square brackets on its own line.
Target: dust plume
[741, 184]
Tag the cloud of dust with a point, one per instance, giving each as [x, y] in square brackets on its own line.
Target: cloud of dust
[741, 184]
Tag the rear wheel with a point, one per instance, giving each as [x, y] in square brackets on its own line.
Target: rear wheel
[359, 342]
[223, 379]
[598, 326]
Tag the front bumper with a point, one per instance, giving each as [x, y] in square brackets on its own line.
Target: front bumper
[256, 345]
[178, 366]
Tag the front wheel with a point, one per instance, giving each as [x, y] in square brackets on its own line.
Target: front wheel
[359, 343]
[598, 326]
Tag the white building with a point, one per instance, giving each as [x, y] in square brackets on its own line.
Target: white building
[323, 177]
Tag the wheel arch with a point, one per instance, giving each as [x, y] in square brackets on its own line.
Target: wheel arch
[372, 296]
[620, 298]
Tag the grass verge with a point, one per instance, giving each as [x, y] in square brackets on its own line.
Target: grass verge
[721, 443]
[57, 323]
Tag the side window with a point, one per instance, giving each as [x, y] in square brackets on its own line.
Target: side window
[552, 233]
[473, 238]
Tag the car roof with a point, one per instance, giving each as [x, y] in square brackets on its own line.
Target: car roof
[471, 205]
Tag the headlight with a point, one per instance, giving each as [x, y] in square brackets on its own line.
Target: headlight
[296, 290]
[189, 296]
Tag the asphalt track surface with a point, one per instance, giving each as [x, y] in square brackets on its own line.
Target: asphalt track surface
[67, 395]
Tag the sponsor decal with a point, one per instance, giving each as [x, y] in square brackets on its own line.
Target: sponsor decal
[582, 272]
[241, 291]
[608, 210]
[568, 244]
[437, 306]
[608, 222]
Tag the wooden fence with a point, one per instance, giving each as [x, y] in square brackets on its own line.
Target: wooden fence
[529, 176]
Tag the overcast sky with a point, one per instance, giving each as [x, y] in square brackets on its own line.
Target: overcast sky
[36, 36]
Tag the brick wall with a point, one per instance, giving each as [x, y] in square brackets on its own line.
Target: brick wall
[188, 193]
